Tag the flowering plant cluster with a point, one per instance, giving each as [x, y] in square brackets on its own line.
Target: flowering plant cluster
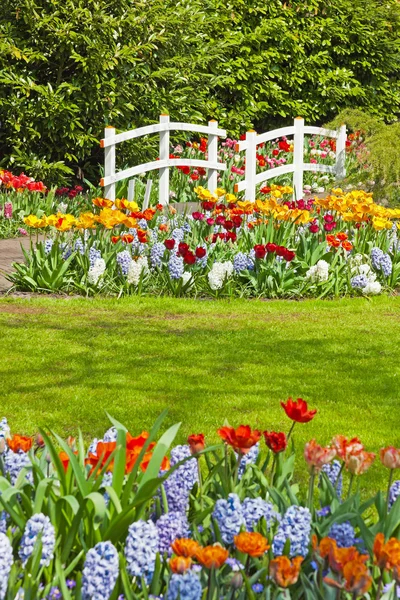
[122, 520]
[276, 247]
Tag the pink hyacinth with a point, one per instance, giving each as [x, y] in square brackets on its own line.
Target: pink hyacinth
[8, 210]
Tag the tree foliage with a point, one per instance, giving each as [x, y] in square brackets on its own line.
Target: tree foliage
[69, 68]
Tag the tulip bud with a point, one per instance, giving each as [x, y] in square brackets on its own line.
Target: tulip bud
[39, 441]
[237, 580]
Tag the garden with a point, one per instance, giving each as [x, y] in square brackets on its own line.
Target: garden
[199, 300]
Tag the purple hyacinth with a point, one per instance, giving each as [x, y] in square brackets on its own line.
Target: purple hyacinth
[249, 458]
[359, 282]
[156, 254]
[343, 533]
[255, 509]
[124, 260]
[141, 548]
[240, 262]
[38, 527]
[170, 526]
[229, 516]
[333, 471]
[100, 572]
[176, 266]
[296, 527]
[179, 484]
[184, 587]
[394, 493]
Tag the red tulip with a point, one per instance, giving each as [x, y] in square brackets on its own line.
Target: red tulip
[297, 410]
[196, 443]
[241, 439]
[275, 441]
[200, 252]
[260, 251]
[169, 244]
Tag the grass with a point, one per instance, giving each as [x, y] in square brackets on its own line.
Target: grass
[65, 362]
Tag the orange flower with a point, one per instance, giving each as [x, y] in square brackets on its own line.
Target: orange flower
[103, 453]
[342, 236]
[115, 239]
[241, 439]
[345, 448]
[163, 227]
[330, 239]
[149, 213]
[339, 557]
[254, 544]
[20, 442]
[285, 572]
[65, 460]
[212, 557]
[180, 564]
[185, 547]
[347, 246]
[102, 202]
[358, 464]
[335, 243]
[127, 238]
[386, 555]
[390, 457]
[196, 443]
[317, 456]
[142, 236]
[358, 579]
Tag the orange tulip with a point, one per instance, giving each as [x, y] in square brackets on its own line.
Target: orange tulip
[185, 547]
[65, 460]
[285, 572]
[386, 555]
[317, 456]
[342, 236]
[102, 202]
[254, 544]
[20, 442]
[358, 579]
[127, 238]
[241, 439]
[180, 564]
[339, 557]
[212, 557]
[390, 457]
[360, 463]
[347, 246]
[345, 448]
[103, 453]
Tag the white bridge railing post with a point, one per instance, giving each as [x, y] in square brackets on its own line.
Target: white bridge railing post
[212, 151]
[340, 165]
[298, 157]
[109, 164]
[251, 165]
[163, 189]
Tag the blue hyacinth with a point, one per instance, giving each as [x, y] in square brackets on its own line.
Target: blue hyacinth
[14, 462]
[229, 516]
[94, 254]
[6, 562]
[381, 261]
[386, 265]
[343, 533]
[394, 493]
[359, 282]
[142, 223]
[184, 587]
[376, 256]
[255, 509]
[333, 471]
[66, 250]
[179, 484]
[178, 235]
[124, 260]
[296, 527]
[100, 572]
[240, 262]
[79, 247]
[3, 521]
[171, 526]
[141, 548]
[156, 254]
[249, 458]
[38, 527]
[176, 266]
[110, 435]
[48, 246]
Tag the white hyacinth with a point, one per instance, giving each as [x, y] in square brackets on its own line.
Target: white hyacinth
[135, 269]
[319, 272]
[6, 562]
[219, 273]
[96, 271]
[372, 288]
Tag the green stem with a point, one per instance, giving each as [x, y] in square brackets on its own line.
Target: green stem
[236, 474]
[291, 430]
[273, 469]
[311, 489]
[200, 483]
[378, 591]
[350, 486]
[338, 477]
[209, 588]
[388, 489]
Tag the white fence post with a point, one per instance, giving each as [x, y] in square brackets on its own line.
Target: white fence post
[298, 157]
[131, 190]
[163, 190]
[109, 164]
[340, 165]
[251, 165]
[212, 151]
[147, 194]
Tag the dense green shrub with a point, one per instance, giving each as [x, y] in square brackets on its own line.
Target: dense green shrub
[68, 68]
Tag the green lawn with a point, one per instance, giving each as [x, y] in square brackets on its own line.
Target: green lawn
[65, 362]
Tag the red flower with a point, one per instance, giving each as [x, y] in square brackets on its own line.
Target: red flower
[201, 171]
[196, 443]
[314, 228]
[198, 216]
[207, 205]
[260, 251]
[275, 441]
[271, 247]
[185, 170]
[237, 221]
[231, 236]
[275, 152]
[330, 226]
[169, 244]
[228, 225]
[115, 239]
[289, 255]
[200, 252]
[194, 176]
[220, 220]
[328, 218]
[210, 221]
[189, 258]
[284, 146]
[280, 250]
[241, 439]
[297, 410]
[265, 190]
[182, 248]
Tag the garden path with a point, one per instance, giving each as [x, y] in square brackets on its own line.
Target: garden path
[10, 251]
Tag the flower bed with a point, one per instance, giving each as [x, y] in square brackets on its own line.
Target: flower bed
[123, 520]
[342, 244]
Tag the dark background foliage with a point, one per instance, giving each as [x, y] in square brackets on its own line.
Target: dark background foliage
[69, 67]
